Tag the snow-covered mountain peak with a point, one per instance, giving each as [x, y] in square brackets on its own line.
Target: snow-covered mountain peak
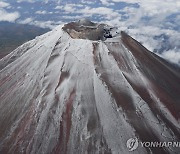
[66, 92]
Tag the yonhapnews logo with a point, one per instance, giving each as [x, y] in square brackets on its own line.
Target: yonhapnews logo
[133, 143]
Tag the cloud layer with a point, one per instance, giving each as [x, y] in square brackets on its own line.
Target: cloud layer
[11, 17]
[7, 16]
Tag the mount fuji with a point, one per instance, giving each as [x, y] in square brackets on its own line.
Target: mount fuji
[86, 87]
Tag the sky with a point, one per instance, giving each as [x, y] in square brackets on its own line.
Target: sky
[154, 23]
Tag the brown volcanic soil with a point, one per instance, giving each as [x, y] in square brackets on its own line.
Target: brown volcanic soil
[86, 30]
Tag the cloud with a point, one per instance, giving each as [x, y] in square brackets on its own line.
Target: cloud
[107, 13]
[106, 2]
[45, 24]
[76, 17]
[30, 1]
[26, 21]
[41, 12]
[42, 24]
[70, 8]
[172, 56]
[153, 8]
[87, 2]
[59, 7]
[129, 1]
[6, 16]
[4, 4]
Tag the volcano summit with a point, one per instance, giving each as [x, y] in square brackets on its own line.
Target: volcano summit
[86, 88]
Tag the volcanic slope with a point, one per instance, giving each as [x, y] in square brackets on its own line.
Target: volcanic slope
[60, 94]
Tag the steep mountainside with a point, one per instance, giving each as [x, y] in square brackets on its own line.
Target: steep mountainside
[60, 94]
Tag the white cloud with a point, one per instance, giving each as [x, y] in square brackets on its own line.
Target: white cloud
[154, 7]
[69, 8]
[106, 2]
[44, 24]
[115, 22]
[59, 7]
[87, 2]
[72, 17]
[156, 10]
[6, 16]
[127, 1]
[106, 12]
[30, 1]
[41, 12]
[26, 21]
[4, 4]
[172, 56]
